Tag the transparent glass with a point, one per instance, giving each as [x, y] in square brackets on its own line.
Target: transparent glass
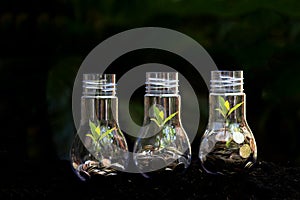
[228, 145]
[99, 147]
[162, 143]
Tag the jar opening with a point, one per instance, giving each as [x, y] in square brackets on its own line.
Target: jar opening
[162, 83]
[99, 85]
[226, 82]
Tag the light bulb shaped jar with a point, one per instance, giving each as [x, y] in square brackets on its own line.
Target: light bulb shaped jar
[228, 145]
[99, 147]
[162, 143]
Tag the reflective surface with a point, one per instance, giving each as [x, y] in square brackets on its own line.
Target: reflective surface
[162, 144]
[99, 147]
[228, 145]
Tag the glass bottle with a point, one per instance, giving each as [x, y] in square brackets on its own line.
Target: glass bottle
[99, 147]
[228, 145]
[162, 143]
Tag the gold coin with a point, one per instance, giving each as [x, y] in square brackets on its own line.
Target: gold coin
[245, 151]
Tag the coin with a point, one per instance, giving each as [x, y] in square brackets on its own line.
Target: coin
[245, 151]
[238, 137]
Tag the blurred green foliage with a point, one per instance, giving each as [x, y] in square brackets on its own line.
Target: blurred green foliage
[48, 40]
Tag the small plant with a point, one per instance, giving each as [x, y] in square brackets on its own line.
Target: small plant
[159, 117]
[99, 133]
[160, 120]
[225, 111]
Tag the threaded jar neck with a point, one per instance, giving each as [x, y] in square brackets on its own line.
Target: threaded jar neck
[162, 83]
[99, 85]
[226, 82]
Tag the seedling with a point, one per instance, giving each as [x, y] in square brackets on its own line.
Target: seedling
[99, 133]
[226, 111]
[159, 117]
[160, 120]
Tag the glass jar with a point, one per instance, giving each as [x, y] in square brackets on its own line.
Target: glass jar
[162, 143]
[228, 145]
[99, 147]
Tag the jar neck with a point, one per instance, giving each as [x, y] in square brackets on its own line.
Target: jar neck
[226, 108]
[99, 85]
[164, 109]
[226, 82]
[101, 109]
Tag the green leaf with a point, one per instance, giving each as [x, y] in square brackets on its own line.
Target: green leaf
[107, 132]
[227, 105]
[222, 105]
[234, 108]
[157, 114]
[91, 136]
[156, 122]
[93, 129]
[161, 115]
[228, 143]
[92, 125]
[97, 130]
[156, 111]
[170, 117]
[221, 100]
[220, 111]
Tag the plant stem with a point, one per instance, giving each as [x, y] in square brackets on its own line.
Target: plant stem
[225, 128]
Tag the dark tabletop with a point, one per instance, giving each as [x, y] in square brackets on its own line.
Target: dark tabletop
[55, 179]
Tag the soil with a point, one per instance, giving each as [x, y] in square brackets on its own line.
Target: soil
[40, 180]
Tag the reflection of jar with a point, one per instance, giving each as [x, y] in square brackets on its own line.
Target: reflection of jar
[228, 145]
[162, 144]
[99, 147]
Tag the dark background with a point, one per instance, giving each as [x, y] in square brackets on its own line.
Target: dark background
[44, 42]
